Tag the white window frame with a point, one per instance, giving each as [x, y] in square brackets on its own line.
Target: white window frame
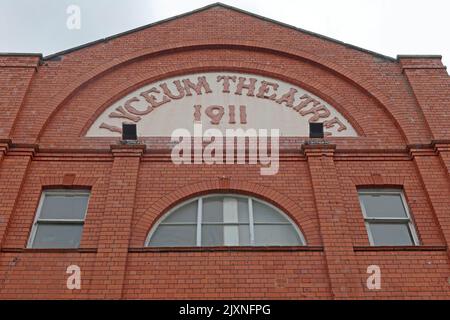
[389, 220]
[199, 222]
[38, 220]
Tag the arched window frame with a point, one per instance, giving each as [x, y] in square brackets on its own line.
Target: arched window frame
[199, 222]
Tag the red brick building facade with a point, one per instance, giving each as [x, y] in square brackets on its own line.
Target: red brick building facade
[397, 109]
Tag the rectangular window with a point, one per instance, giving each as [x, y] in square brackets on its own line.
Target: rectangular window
[387, 217]
[59, 219]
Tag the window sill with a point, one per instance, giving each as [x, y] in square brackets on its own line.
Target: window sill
[399, 248]
[230, 248]
[51, 250]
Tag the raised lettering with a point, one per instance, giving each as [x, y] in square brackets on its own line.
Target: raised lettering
[215, 113]
[243, 114]
[232, 116]
[168, 93]
[249, 86]
[110, 127]
[226, 82]
[151, 99]
[197, 113]
[307, 101]
[319, 112]
[288, 98]
[265, 88]
[202, 83]
[330, 123]
[133, 110]
[122, 113]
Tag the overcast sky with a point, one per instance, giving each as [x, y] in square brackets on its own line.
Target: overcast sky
[389, 27]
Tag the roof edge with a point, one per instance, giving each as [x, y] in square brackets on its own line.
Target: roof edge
[117, 35]
[318, 35]
[217, 4]
[419, 56]
[21, 54]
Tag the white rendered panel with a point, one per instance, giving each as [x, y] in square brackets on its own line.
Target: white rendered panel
[264, 107]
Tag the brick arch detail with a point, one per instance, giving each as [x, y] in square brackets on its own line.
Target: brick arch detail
[143, 225]
[378, 181]
[59, 99]
[68, 180]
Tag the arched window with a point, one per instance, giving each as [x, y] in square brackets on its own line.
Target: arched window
[224, 220]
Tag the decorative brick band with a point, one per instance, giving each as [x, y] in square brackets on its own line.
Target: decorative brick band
[417, 152]
[441, 145]
[128, 150]
[23, 150]
[67, 180]
[319, 149]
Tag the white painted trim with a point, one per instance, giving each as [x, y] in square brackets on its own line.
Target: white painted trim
[230, 210]
[199, 221]
[230, 221]
[251, 222]
[50, 192]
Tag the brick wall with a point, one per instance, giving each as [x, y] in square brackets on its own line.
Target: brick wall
[399, 107]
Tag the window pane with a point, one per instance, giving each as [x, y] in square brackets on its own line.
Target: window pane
[212, 209]
[212, 235]
[57, 236]
[384, 234]
[243, 210]
[64, 207]
[244, 235]
[185, 214]
[264, 213]
[230, 210]
[383, 205]
[231, 235]
[174, 236]
[276, 235]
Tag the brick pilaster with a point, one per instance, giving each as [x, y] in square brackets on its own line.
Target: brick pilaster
[430, 85]
[442, 148]
[338, 246]
[434, 177]
[16, 74]
[13, 171]
[114, 237]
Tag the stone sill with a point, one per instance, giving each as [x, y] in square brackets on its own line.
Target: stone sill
[228, 249]
[398, 248]
[48, 250]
